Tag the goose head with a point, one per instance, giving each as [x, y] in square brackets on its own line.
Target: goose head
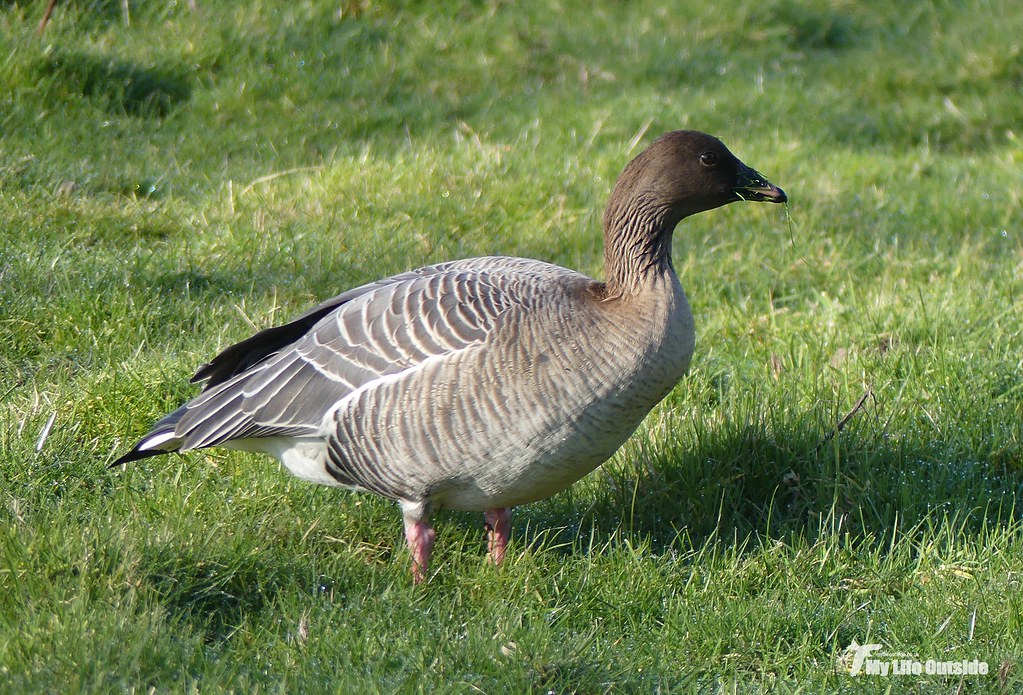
[682, 173]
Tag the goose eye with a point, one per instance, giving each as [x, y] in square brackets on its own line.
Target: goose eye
[708, 159]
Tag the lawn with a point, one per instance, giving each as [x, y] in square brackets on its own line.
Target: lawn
[843, 464]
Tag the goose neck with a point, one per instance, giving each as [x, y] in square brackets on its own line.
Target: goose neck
[637, 245]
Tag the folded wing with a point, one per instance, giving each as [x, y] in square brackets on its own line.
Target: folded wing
[282, 381]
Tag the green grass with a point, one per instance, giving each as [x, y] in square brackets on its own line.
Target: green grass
[169, 185]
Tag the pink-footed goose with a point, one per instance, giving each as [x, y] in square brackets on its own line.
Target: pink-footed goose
[477, 384]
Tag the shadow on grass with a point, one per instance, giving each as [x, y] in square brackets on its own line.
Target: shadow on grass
[215, 594]
[194, 281]
[779, 483]
[216, 591]
[122, 86]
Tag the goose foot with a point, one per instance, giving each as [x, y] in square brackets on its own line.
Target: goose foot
[498, 525]
[420, 536]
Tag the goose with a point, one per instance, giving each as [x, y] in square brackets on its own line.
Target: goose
[477, 384]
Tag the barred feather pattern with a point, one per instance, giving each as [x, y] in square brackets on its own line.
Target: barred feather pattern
[521, 415]
[381, 329]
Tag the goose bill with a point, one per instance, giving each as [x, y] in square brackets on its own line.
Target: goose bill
[754, 186]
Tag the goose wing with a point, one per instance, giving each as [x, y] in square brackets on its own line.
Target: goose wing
[282, 381]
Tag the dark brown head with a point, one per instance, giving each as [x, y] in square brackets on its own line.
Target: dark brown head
[680, 174]
[685, 172]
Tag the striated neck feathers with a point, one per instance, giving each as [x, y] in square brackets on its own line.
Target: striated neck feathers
[637, 240]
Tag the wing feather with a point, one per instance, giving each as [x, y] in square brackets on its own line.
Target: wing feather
[285, 382]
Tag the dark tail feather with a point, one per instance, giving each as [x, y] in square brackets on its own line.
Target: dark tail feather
[135, 455]
[159, 440]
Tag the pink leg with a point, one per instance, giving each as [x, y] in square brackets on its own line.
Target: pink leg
[420, 536]
[498, 523]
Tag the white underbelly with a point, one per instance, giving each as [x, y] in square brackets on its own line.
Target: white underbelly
[304, 457]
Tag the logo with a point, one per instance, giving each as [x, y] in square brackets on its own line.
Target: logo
[860, 654]
[861, 660]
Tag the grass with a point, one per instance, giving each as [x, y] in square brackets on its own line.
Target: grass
[168, 186]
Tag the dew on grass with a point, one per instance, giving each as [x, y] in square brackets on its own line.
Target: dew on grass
[144, 188]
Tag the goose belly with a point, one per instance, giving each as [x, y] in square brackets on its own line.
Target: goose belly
[518, 472]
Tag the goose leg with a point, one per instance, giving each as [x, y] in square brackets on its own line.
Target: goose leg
[420, 536]
[498, 524]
